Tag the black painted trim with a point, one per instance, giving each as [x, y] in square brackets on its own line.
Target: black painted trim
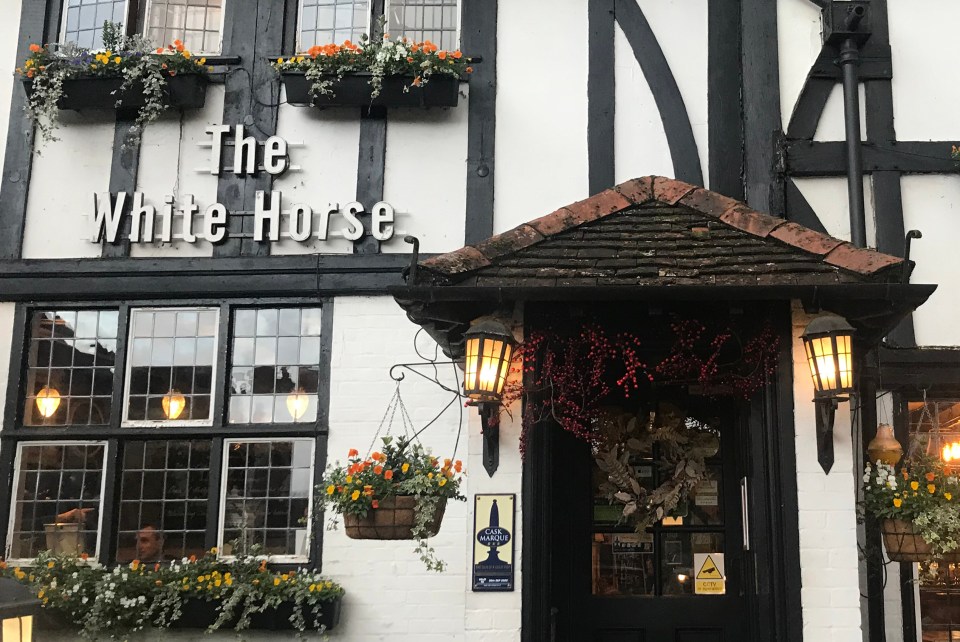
[799, 210]
[724, 105]
[601, 95]
[761, 106]
[214, 485]
[813, 158]
[809, 107]
[8, 455]
[908, 605]
[18, 155]
[110, 504]
[478, 37]
[323, 425]
[666, 93]
[123, 178]
[371, 168]
[875, 575]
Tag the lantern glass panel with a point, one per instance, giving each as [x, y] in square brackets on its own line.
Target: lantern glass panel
[487, 366]
[17, 629]
[831, 362]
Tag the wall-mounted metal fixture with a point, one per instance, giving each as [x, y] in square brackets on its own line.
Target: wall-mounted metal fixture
[828, 342]
[489, 353]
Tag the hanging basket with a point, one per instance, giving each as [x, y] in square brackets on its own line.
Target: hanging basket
[394, 519]
[903, 544]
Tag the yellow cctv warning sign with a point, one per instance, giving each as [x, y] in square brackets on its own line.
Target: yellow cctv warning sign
[710, 578]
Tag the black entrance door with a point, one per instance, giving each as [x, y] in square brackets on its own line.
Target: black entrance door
[681, 580]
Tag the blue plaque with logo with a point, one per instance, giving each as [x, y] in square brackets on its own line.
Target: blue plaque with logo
[493, 521]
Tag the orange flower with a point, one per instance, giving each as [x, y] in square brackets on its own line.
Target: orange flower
[156, 567]
[35, 48]
[416, 81]
[375, 504]
[930, 477]
[3, 564]
[377, 470]
[458, 465]
[353, 453]
[29, 73]
[388, 475]
[442, 55]
[84, 556]
[376, 456]
[931, 489]
[415, 47]
[409, 59]
[456, 54]
[903, 471]
[193, 558]
[469, 70]
[178, 45]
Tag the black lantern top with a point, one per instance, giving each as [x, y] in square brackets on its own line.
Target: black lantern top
[828, 341]
[489, 352]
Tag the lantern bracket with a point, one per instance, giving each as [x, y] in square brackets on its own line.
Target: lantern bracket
[396, 373]
[826, 411]
[490, 423]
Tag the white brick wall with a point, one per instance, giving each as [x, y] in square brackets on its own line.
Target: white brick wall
[830, 593]
[390, 596]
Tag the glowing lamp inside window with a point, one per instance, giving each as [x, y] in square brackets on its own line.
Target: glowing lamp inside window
[489, 352]
[297, 403]
[48, 400]
[173, 404]
[828, 341]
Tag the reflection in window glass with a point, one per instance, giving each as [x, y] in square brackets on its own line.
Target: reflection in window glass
[326, 21]
[677, 552]
[83, 22]
[623, 564]
[163, 500]
[195, 22]
[275, 365]
[433, 20]
[70, 362]
[267, 493]
[56, 503]
[170, 357]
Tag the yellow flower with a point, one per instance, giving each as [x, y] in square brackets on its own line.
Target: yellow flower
[49, 564]
[405, 468]
[349, 479]
[948, 496]
[279, 61]
[276, 581]
[229, 581]
[914, 485]
[443, 481]
[203, 61]
[299, 58]
[93, 66]
[312, 588]
[330, 489]
[116, 60]
[355, 495]
[897, 502]
[214, 550]
[430, 475]
[40, 593]
[186, 54]
[216, 582]
[931, 489]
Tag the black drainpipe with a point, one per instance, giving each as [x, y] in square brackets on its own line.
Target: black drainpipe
[850, 64]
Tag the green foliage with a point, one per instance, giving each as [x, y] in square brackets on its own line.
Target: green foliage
[127, 598]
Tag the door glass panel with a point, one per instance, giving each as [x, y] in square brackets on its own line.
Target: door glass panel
[677, 559]
[623, 564]
[705, 506]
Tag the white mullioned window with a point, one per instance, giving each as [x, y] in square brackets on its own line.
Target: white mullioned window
[326, 21]
[171, 363]
[266, 498]
[57, 499]
[198, 23]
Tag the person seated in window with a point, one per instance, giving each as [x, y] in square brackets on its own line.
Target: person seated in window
[150, 542]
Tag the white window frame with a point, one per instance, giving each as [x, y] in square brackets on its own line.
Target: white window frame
[224, 470]
[300, 23]
[64, 6]
[128, 365]
[459, 32]
[223, 11]
[107, 453]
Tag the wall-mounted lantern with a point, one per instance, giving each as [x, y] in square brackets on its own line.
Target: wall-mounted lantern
[18, 605]
[173, 404]
[828, 342]
[489, 351]
[48, 400]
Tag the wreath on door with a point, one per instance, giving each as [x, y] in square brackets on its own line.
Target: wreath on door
[682, 445]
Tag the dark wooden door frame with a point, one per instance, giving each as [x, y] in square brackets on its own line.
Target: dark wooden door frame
[772, 565]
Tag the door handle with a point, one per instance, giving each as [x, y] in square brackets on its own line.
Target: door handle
[745, 513]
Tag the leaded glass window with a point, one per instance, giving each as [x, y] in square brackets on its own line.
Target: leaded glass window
[326, 21]
[196, 22]
[83, 20]
[419, 20]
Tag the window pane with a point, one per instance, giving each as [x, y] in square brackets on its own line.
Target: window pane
[70, 359]
[433, 20]
[57, 499]
[268, 497]
[268, 382]
[325, 21]
[195, 22]
[85, 20]
[623, 564]
[163, 500]
[170, 371]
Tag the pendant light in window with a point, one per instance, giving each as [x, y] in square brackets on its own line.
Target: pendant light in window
[48, 400]
[173, 404]
[297, 403]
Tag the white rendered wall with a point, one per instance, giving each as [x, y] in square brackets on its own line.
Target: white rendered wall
[9, 37]
[66, 173]
[828, 198]
[923, 35]
[827, 516]
[425, 176]
[389, 593]
[798, 26]
[6, 336]
[170, 158]
[541, 138]
[931, 204]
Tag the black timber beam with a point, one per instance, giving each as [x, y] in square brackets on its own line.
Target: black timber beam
[812, 158]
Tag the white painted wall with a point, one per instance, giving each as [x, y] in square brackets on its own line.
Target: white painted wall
[798, 27]
[170, 157]
[541, 138]
[925, 62]
[828, 528]
[66, 173]
[931, 204]
[389, 594]
[828, 198]
[425, 176]
[9, 37]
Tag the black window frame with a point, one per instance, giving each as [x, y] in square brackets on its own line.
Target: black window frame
[376, 10]
[13, 432]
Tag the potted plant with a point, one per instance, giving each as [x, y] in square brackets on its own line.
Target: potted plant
[920, 520]
[400, 493]
[191, 593]
[127, 74]
[396, 73]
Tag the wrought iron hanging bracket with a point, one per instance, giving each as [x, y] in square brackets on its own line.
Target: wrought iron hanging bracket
[396, 373]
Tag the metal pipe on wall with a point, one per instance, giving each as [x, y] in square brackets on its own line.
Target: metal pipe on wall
[850, 63]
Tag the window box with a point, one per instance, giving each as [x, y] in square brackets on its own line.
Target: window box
[355, 91]
[183, 91]
[201, 614]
